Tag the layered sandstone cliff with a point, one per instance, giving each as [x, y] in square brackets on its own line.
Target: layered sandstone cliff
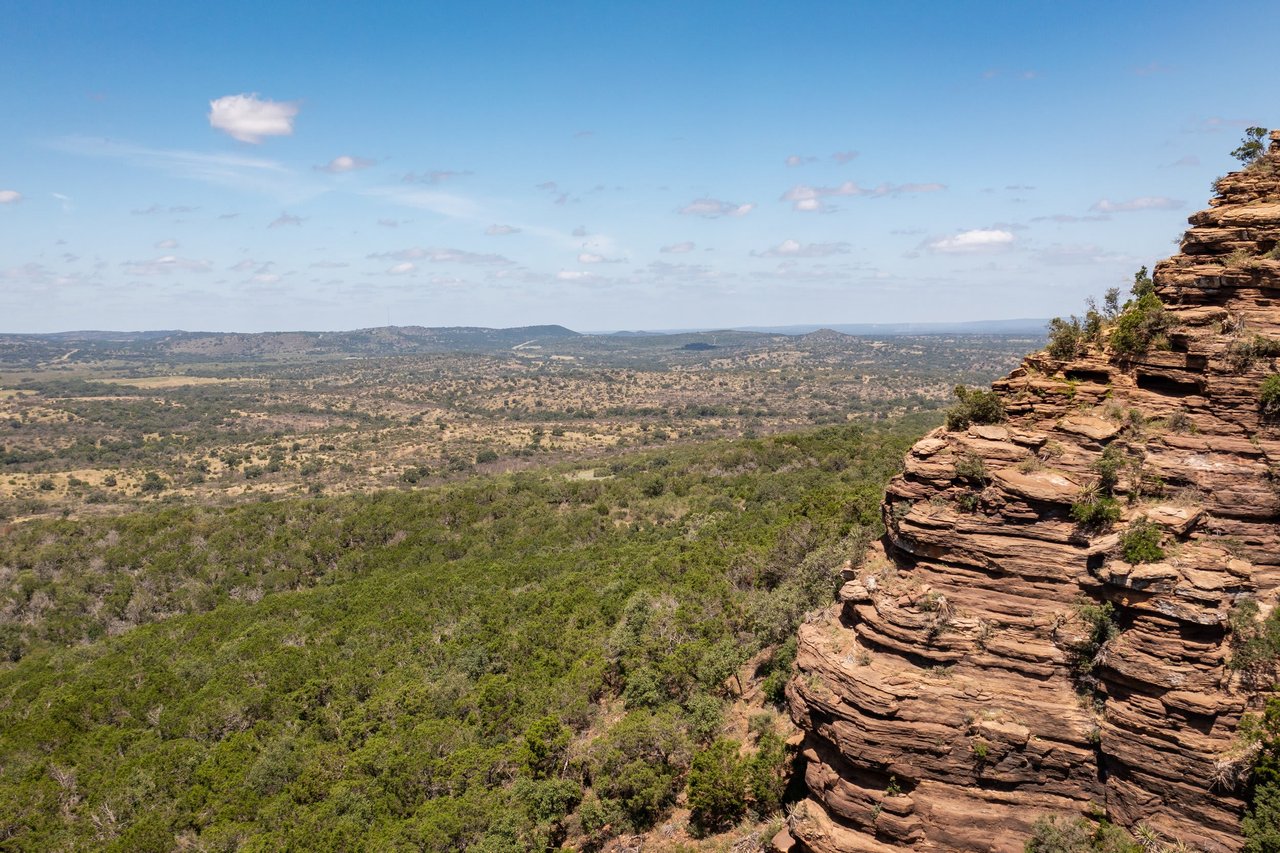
[955, 695]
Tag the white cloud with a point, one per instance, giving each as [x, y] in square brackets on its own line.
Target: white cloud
[249, 118]
[796, 249]
[678, 248]
[167, 244]
[799, 160]
[976, 240]
[711, 208]
[10, 196]
[402, 268]
[844, 156]
[285, 219]
[345, 163]
[575, 275]
[501, 230]
[266, 278]
[1140, 203]
[165, 264]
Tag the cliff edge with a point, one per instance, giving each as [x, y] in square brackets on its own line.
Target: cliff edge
[999, 658]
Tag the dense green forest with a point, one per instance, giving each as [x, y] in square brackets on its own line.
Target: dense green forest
[498, 664]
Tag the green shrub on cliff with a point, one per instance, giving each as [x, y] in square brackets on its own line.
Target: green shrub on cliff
[1061, 834]
[975, 406]
[1269, 396]
[1141, 542]
[1142, 323]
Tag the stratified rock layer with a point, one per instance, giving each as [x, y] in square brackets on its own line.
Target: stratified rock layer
[953, 696]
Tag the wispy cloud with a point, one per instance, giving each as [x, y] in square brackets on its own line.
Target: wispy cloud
[976, 240]
[1067, 218]
[501, 230]
[250, 118]
[435, 176]
[242, 172]
[800, 160]
[796, 249]
[442, 256]
[10, 196]
[155, 209]
[446, 204]
[1157, 202]
[165, 265]
[167, 244]
[1078, 254]
[678, 248]
[806, 198]
[712, 208]
[843, 157]
[345, 163]
[285, 219]
[402, 268]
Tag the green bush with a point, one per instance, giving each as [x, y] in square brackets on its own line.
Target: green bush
[975, 406]
[1269, 396]
[1141, 542]
[1255, 645]
[1096, 511]
[1142, 323]
[717, 786]
[152, 483]
[971, 467]
[1108, 467]
[1102, 628]
[1061, 834]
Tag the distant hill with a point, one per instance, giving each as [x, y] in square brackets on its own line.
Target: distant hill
[203, 346]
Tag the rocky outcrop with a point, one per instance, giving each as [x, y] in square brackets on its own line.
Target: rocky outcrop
[973, 677]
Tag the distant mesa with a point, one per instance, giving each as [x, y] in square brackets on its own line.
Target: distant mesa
[699, 346]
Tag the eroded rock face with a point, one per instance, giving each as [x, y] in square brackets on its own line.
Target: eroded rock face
[955, 695]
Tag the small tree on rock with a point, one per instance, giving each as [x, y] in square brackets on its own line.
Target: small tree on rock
[1251, 147]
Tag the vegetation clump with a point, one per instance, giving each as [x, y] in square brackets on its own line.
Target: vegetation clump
[1101, 628]
[1255, 644]
[1059, 834]
[1142, 322]
[1251, 148]
[1243, 352]
[1262, 738]
[1141, 542]
[1269, 396]
[975, 406]
[1095, 510]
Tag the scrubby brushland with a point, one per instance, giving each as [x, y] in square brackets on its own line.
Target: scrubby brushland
[85, 429]
[510, 662]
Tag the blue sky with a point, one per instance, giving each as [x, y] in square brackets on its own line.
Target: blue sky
[237, 166]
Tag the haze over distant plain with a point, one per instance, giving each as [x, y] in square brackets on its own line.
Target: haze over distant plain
[249, 167]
